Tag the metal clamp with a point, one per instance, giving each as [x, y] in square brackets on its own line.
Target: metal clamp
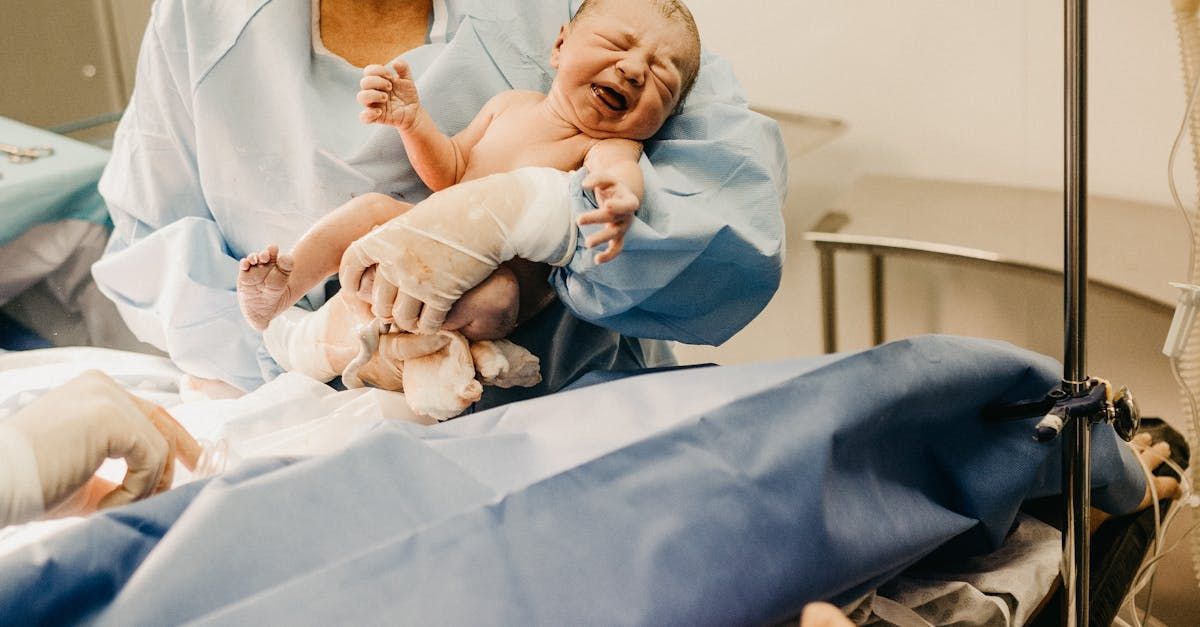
[1057, 408]
[17, 154]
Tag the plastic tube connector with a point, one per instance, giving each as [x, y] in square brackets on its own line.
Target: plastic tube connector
[1181, 323]
[1048, 428]
[216, 457]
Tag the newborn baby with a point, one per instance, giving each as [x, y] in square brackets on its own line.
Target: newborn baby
[623, 68]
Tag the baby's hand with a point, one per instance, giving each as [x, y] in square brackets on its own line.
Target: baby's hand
[617, 204]
[390, 98]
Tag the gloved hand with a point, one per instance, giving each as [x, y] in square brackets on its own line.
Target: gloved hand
[428, 257]
[73, 428]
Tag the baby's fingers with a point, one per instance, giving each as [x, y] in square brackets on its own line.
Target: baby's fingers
[621, 205]
[369, 97]
[595, 216]
[371, 81]
[614, 248]
[608, 233]
[401, 68]
[376, 70]
[370, 115]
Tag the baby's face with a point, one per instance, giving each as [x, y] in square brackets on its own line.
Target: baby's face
[619, 69]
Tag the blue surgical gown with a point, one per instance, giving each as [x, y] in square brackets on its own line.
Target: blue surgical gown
[243, 131]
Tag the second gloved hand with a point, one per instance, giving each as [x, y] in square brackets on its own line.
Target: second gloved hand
[431, 255]
[73, 428]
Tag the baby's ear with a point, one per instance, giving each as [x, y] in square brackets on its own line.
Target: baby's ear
[558, 43]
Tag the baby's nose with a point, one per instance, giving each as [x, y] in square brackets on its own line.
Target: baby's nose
[632, 70]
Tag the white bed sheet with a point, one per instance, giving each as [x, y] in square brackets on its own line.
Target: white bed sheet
[293, 415]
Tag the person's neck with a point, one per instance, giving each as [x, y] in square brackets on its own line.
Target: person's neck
[557, 112]
[373, 31]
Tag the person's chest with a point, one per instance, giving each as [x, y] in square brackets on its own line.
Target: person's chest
[521, 138]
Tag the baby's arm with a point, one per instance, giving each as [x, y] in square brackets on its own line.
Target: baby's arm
[616, 178]
[391, 98]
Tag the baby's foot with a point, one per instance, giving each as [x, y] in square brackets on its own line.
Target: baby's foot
[504, 364]
[262, 286]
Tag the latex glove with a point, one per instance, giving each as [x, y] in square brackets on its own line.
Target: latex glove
[73, 428]
[488, 311]
[428, 257]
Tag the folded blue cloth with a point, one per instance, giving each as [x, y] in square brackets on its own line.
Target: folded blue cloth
[721, 495]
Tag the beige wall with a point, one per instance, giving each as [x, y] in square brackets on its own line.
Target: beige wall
[68, 60]
[128, 23]
[963, 90]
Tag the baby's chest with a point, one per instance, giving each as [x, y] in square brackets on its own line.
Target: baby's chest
[507, 147]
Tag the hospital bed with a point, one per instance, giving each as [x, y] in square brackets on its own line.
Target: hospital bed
[712, 495]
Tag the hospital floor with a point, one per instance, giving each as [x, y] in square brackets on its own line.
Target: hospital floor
[1124, 339]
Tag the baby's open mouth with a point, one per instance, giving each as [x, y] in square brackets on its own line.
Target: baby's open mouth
[610, 97]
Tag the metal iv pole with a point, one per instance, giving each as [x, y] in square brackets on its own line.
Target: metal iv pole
[1076, 441]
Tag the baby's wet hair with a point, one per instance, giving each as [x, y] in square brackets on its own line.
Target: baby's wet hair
[673, 10]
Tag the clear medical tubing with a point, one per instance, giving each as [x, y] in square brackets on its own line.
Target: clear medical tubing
[1188, 28]
[215, 458]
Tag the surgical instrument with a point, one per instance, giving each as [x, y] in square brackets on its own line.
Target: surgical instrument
[17, 154]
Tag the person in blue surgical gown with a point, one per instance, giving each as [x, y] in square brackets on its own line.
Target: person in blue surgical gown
[243, 131]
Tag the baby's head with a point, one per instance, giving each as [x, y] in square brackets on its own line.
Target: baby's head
[624, 65]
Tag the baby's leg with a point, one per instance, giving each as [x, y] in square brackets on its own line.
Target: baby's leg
[435, 372]
[270, 283]
[441, 385]
[320, 343]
